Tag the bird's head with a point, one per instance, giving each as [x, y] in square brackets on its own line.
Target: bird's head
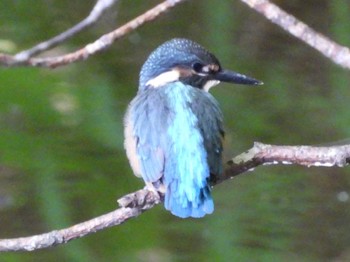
[186, 61]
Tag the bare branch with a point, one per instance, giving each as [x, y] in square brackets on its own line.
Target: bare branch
[100, 44]
[262, 154]
[135, 203]
[337, 53]
[100, 7]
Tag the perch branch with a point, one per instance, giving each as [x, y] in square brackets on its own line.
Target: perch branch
[100, 7]
[99, 45]
[335, 52]
[132, 205]
[263, 154]
[139, 201]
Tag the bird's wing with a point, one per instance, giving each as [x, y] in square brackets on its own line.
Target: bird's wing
[145, 126]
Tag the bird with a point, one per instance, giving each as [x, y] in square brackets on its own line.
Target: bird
[173, 128]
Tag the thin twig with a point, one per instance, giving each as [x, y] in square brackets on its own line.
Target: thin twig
[337, 53]
[100, 7]
[135, 203]
[100, 44]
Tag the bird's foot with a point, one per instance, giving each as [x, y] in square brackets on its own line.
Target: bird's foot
[157, 189]
[144, 198]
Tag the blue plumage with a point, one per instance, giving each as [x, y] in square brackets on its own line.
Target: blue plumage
[173, 127]
[187, 173]
[171, 146]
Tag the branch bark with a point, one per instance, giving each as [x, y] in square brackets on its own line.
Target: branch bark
[100, 7]
[132, 205]
[99, 45]
[145, 200]
[335, 52]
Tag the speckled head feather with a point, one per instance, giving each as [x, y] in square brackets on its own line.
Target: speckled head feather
[178, 52]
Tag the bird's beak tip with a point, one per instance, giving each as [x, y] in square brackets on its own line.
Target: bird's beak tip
[259, 83]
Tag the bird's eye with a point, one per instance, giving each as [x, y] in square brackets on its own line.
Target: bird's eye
[197, 67]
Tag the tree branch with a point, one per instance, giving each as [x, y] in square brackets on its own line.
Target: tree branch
[100, 44]
[100, 7]
[335, 52]
[132, 205]
[140, 200]
[263, 154]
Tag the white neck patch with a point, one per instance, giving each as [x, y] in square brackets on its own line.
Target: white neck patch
[164, 78]
[209, 84]
[172, 76]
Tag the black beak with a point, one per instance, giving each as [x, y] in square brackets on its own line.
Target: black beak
[233, 77]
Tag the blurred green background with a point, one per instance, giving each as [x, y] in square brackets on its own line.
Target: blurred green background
[61, 135]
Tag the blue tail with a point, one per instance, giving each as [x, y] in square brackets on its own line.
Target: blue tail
[182, 206]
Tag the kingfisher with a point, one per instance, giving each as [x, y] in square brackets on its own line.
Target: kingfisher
[174, 126]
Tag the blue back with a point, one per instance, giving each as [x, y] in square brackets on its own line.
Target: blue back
[178, 129]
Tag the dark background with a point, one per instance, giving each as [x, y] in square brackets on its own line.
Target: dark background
[61, 135]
